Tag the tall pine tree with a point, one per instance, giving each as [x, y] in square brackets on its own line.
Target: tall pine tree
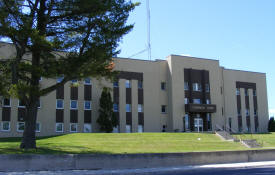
[106, 119]
[53, 38]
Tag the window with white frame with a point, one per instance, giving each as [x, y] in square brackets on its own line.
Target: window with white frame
[208, 101]
[21, 104]
[196, 87]
[127, 83]
[140, 84]
[6, 102]
[140, 108]
[163, 109]
[238, 91]
[128, 128]
[115, 84]
[87, 105]
[59, 79]
[74, 81]
[254, 92]
[247, 112]
[186, 100]
[20, 126]
[115, 107]
[59, 127]
[73, 127]
[87, 127]
[128, 108]
[87, 81]
[73, 104]
[39, 104]
[5, 126]
[37, 127]
[207, 87]
[197, 101]
[186, 86]
[59, 104]
[163, 86]
[140, 128]
[115, 129]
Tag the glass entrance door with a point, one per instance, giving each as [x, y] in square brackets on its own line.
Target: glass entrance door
[198, 125]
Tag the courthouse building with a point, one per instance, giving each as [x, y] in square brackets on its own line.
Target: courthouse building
[179, 94]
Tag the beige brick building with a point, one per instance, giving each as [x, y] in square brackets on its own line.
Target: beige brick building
[177, 94]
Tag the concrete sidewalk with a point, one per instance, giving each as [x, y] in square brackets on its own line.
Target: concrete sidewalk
[145, 171]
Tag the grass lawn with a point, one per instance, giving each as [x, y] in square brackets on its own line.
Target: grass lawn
[81, 143]
[267, 140]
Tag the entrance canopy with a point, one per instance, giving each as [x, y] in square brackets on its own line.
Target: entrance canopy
[200, 108]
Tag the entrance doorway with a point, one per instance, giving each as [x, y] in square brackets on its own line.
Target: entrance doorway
[198, 125]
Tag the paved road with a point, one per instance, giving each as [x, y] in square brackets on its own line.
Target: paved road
[254, 168]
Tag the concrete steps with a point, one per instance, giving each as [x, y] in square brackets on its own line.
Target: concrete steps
[225, 135]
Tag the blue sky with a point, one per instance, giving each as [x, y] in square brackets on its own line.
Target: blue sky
[239, 33]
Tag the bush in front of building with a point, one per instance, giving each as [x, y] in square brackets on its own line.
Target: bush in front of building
[106, 120]
[271, 125]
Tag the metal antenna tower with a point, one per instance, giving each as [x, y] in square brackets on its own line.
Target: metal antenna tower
[148, 47]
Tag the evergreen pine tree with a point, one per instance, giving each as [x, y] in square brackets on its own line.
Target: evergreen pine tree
[106, 119]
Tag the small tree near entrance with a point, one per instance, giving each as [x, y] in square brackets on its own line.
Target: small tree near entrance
[106, 119]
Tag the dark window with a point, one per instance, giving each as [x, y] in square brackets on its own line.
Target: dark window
[246, 92]
[163, 85]
[163, 108]
[140, 84]
[207, 88]
[186, 86]
[6, 102]
[115, 84]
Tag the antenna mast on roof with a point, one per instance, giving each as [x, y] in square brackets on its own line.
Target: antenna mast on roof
[148, 30]
[148, 47]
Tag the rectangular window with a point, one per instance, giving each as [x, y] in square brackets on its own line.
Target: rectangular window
[37, 127]
[115, 107]
[255, 112]
[6, 102]
[247, 112]
[73, 127]
[6, 126]
[254, 93]
[74, 81]
[163, 109]
[197, 101]
[21, 104]
[115, 84]
[39, 104]
[196, 87]
[246, 92]
[140, 108]
[209, 125]
[128, 128]
[207, 101]
[207, 88]
[59, 104]
[87, 105]
[238, 91]
[127, 83]
[186, 122]
[140, 84]
[20, 126]
[239, 112]
[140, 128]
[115, 130]
[73, 104]
[40, 79]
[59, 79]
[59, 127]
[163, 85]
[87, 127]
[87, 81]
[186, 100]
[186, 86]
[128, 108]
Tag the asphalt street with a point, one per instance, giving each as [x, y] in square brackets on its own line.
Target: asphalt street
[252, 168]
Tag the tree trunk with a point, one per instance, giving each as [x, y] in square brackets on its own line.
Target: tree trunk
[28, 140]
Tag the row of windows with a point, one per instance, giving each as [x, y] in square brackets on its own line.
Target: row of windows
[128, 84]
[87, 81]
[128, 107]
[73, 104]
[5, 126]
[196, 87]
[7, 103]
[245, 92]
[247, 112]
[196, 101]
